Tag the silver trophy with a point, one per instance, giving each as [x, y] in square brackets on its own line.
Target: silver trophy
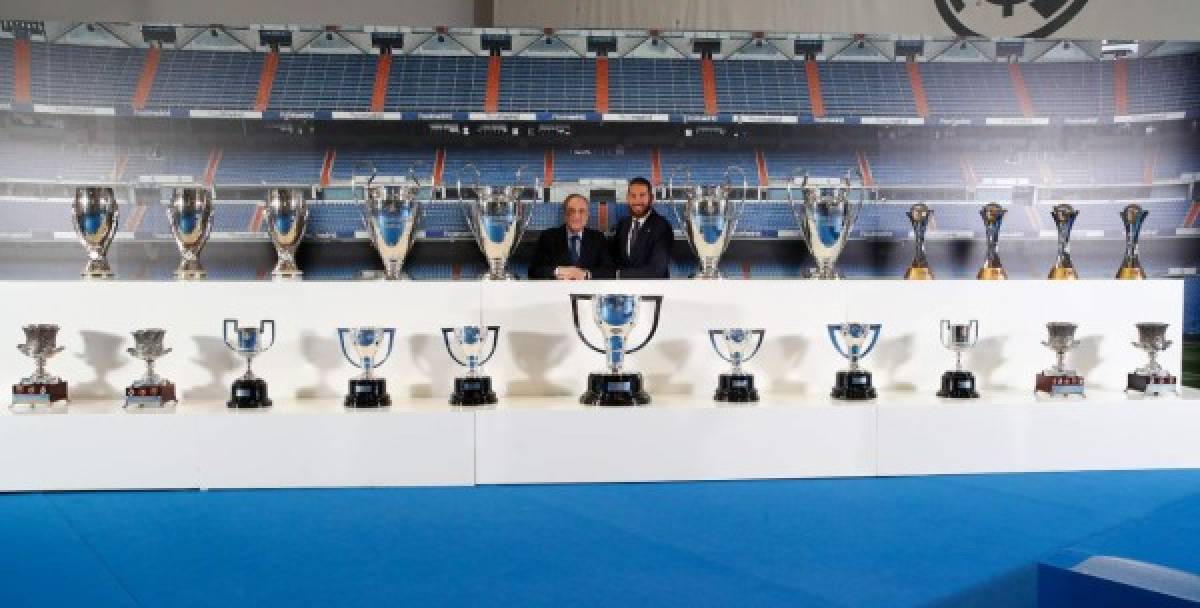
[497, 217]
[1064, 218]
[993, 218]
[1133, 216]
[94, 216]
[391, 213]
[249, 391]
[367, 390]
[286, 213]
[1059, 380]
[190, 215]
[919, 216]
[959, 383]
[740, 347]
[39, 388]
[709, 217]
[1152, 379]
[854, 341]
[825, 216]
[616, 315]
[151, 390]
[471, 347]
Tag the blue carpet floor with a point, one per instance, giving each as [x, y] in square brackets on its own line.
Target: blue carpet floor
[922, 541]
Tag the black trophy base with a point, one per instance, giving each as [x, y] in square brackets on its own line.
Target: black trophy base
[249, 394]
[853, 385]
[958, 385]
[736, 388]
[473, 391]
[615, 389]
[1152, 385]
[368, 392]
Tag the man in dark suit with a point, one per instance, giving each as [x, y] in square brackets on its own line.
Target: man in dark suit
[641, 246]
[572, 251]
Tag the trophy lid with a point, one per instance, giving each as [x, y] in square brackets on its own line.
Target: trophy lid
[1151, 333]
[1061, 333]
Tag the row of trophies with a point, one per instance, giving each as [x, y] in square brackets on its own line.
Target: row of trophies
[616, 316]
[498, 217]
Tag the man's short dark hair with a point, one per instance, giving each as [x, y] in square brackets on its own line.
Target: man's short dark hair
[645, 182]
[573, 195]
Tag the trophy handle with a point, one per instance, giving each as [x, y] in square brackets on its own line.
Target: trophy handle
[974, 331]
[853, 205]
[166, 351]
[735, 208]
[446, 331]
[342, 333]
[798, 210]
[575, 298]
[653, 324]
[112, 234]
[225, 332]
[495, 331]
[262, 329]
[943, 331]
[833, 333]
[390, 332]
[762, 334]
[876, 328]
[712, 337]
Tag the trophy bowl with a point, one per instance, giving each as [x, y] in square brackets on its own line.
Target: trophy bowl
[190, 217]
[94, 216]
[286, 213]
[392, 214]
[367, 390]
[1151, 379]
[249, 391]
[1058, 380]
[919, 216]
[825, 216]
[741, 344]
[472, 346]
[959, 383]
[497, 217]
[39, 388]
[616, 316]
[709, 217]
[151, 390]
[854, 341]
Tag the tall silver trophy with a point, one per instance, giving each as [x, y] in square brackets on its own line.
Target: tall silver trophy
[472, 346]
[190, 216]
[39, 389]
[151, 390]
[854, 341]
[497, 217]
[1151, 379]
[959, 383]
[992, 215]
[741, 345]
[94, 215]
[919, 216]
[367, 390]
[286, 213]
[1064, 218]
[391, 213]
[826, 215]
[1059, 380]
[1132, 216]
[249, 391]
[616, 315]
[709, 216]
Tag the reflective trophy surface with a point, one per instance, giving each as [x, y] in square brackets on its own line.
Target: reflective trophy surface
[249, 391]
[497, 217]
[1151, 379]
[190, 216]
[993, 218]
[94, 215]
[737, 386]
[854, 383]
[616, 315]
[466, 346]
[709, 218]
[959, 383]
[1064, 218]
[391, 213]
[367, 390]
[40, 389]
[286, 213]
[825, 216]
[1059, 380]
[1133, 216]
[919, 216]
[151, 390]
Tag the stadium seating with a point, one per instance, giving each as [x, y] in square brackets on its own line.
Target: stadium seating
[214, 80]
[762, 87]
[6, 70]
[307, 81]
[547, 84]
[1164, 84]
[82, 75]
[437, 84]
[1076, 88]
[572, 165]
[969, 89]
[860, 88]
[280, 165]
[655, 85]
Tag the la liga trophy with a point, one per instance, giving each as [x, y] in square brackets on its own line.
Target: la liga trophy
[854, 383]
[1132, 216]
[709, 218]
[616, 315]
[190, 217]
[467, 346]
[1064, 218]
[919, 216]
[286, 213]
[497, 217]
[39, 389]
[825, 216]
[1059, 380]
[959, 383]
[249, 391]
[366, 389]
[1151, 379]
[151, 390]
[741, 345]
[993, 217]
[94, 216]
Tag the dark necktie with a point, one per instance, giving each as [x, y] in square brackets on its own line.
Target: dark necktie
[633, 236]
[574, 249]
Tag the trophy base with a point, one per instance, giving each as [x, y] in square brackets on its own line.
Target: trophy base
[473, 390]
[368, 392]
[736, 388]
[98, 275]
[1135, 273]
[34, 394]
[958, 385]
[1152, 385]
[1059, 386]
[853, 385]
[155, 395]
[287, 275]
[615, 389]
[918, 273]
[988, 273]
[191, 275]
[248, 394]
[1062, 274]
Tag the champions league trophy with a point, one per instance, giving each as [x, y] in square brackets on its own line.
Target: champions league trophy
[471, 340]
[366, 390]
[1064, 218]
[959, 383]
[993, 217]
[151, 390]
[40, 388]
[190, 215]
[497, 217]
[616, 315]
[1133, 216]
[1151, 379]
[709, 218]
[94, 215]
[736, 386]
[919, 216]
[825, 216]
[854, 383]
[249, 391]
[287, 216]
[1058, 380]
[391, 214]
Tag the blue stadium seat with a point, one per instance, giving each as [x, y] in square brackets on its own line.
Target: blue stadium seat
[437, 83]
[308, 81]
[550, 84]
[71, 74]
[655, 85]
[762, 87]
[215, 80]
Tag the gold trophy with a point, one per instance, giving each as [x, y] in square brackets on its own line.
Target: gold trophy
[993, 217]
[919, 216]
[1064, 217]
[1133, 216]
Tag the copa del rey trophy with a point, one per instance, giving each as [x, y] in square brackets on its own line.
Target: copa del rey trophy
[94, 216]
[1151, 379]
[993, 217]
[616, 315]
[709, 217]
[919, 216]
[40, 389]
[391, 213]
[497, 217]
[854, 383]
[286, 213]
[367, 390]
[1064, 218]
[190, 216]
[1059, 380]
[959, 383]
[151, 390]
[826, 215]
[737, 386]
[249, 391]
[467, 346]
[1132, 216]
